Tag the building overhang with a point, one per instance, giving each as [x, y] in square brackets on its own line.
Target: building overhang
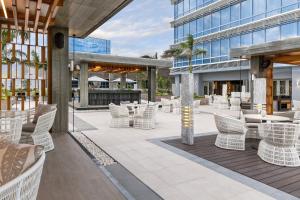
[282, 51]
[83, 17]
[120, 61]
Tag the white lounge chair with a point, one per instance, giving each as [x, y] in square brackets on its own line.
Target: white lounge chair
[11, 129]
[231, 134]
[41, 135]
[120, 116]
[145, 119]
[278, 144]
[25, 186]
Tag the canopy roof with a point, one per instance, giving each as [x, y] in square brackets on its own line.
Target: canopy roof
[127, 80]
[96, 79]
[282, 51]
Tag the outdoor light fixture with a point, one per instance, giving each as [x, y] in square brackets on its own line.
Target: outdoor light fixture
[187, 121]
[4, 8]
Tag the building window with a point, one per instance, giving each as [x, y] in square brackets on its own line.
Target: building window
[206, 47]
[207, 24]
[215, 18]
[235, 15]
[246, 11]
[186, 29]
[272, 34]
[193, 28]
[215, 51]
[246, 40]
[199, 27]
[180, 9]
[225, 18]
[193, 5]
[288, 5]
[273, 7]
[186, 6]
[224, 49]
[289, 30]
[180, 32]
[259, 9]
[235, 42]
[259, 37]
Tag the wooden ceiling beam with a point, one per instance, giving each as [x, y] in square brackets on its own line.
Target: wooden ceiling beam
[288, 59]
[26, 14]
[49, 2]
[22, 17]
[15, 13]
[52, 10]
[37, 14]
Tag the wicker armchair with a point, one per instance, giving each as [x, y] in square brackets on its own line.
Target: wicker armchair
[166, 105]
[278, 144]
[11, 129]
[251, 124]
[176, 106]
[231, 133]
[145, 119]
[119, 116]
[296, 117]
[41, 135]
[25, 186]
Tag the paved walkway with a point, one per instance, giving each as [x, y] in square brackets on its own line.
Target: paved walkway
[167, 173]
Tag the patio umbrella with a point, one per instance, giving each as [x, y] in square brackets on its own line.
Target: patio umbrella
[96, 79]
[127, 80]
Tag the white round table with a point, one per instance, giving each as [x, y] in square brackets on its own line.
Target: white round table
[268, 118]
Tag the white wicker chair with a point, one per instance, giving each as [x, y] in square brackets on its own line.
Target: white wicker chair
[145, 119]
[176, 106]
[25, 186]
[235, 104]
[297, 117]
[11, 129]
[41, 135]
[278, 144]
[120, 116]
[166, 105]
[231, 133]
[251, 124]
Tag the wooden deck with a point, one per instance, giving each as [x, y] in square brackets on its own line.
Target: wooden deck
[70, 174]
[247, 162]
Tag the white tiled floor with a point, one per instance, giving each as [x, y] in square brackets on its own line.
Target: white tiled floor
[170, 175]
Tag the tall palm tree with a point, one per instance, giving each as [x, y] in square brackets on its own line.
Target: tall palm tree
[186, 50]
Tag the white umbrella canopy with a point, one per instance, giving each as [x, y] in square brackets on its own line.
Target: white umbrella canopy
[96, 79]
[127, 80]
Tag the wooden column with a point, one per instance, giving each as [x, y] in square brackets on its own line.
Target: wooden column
[268, 74]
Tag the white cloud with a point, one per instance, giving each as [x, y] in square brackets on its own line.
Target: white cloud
[141, 28]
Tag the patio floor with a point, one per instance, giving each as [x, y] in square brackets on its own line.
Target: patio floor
[247, 162]
[170, 175]
[70, 174]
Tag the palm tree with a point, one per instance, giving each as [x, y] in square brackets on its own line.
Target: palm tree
[186, 50]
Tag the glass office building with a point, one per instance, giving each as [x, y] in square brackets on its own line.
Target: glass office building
[90, 45]
[219, 25]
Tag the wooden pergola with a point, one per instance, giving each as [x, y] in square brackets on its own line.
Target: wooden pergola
[263, 56]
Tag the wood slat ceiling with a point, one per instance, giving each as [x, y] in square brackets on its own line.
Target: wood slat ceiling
[30, 15]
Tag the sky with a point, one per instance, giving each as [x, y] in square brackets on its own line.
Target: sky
[141, 28]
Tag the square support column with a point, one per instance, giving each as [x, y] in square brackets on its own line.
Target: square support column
[196, 84]
[84, 85]
[123, 81]
[296, 83]
[177, 85]
[58, 75]
[152, 84]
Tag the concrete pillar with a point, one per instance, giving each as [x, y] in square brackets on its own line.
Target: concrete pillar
[196, 84]
[58, 74]
[123, 81]
[177, 85]
[296, 83]
[84, 85]
[152, 84]
[254, 71]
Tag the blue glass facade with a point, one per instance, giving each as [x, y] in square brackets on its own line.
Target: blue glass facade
[90, 45]
[237, 14]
